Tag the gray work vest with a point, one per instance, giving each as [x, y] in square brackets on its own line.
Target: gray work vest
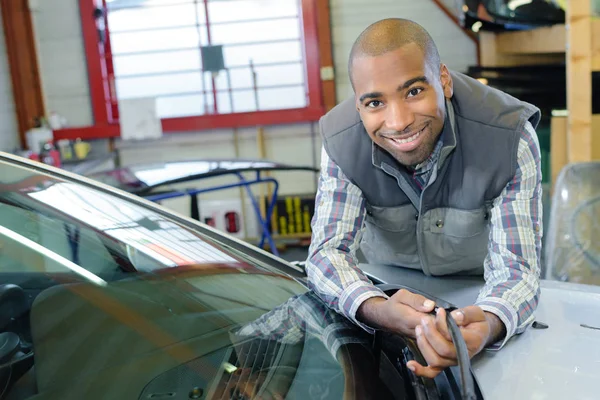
[445, 228]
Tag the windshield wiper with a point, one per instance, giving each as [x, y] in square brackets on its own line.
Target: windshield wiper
[467, 388]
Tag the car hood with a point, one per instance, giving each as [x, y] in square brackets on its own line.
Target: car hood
[555, 363]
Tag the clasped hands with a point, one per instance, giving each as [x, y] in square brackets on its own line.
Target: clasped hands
[409, 314]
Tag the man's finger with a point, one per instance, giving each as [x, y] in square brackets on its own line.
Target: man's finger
[442, 346]
[416, 301]
[468, 315]
[426, 372]
[441, 324]
[431, 356]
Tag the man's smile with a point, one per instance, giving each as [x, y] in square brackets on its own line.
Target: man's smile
[407, 142]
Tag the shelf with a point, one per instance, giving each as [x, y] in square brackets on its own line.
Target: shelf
[536, 41]
[576, 45]
[537, 46]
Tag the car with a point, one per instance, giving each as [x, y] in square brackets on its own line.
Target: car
[509, 15]
[106, 295]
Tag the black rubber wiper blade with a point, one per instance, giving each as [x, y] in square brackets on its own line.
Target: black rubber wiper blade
[467, 388]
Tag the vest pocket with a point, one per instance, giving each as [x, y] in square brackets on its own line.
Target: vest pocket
[456, 240]
[390, 236]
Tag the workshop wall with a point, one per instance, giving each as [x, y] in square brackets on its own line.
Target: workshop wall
[350, 17]
[62, 62]
[9, 136]
[64, 71]
[65, 84]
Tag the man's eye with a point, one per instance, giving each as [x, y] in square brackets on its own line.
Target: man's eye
[414, 92]
[374, 104]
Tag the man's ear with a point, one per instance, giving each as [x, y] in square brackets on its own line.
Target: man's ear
[446, 80]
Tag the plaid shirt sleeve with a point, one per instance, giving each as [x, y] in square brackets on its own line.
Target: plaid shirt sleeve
[512, 267]
[337, 227]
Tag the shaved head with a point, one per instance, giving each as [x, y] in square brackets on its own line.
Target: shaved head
[390, 34]
[400, 88]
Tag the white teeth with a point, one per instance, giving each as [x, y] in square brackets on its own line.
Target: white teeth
[408, 140]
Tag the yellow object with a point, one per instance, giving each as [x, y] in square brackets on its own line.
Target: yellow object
[81, 149]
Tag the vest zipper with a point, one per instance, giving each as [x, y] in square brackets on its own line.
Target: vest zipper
[419, 232]
[432, 179]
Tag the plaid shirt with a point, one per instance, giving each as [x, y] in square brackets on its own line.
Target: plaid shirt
[511, 268]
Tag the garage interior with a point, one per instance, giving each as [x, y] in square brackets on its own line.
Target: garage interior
[114, 84]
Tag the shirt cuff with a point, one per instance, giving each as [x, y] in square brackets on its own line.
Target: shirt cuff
[353, 296]
[507, 314]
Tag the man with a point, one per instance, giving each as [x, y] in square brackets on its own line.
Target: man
[427, 169]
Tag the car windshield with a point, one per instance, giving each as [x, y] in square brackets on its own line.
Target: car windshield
[102, 297]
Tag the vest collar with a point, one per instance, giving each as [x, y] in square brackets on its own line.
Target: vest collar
[449, 136]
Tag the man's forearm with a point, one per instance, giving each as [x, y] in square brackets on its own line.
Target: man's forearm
[369, 313]
[497, 328]
[337, 225]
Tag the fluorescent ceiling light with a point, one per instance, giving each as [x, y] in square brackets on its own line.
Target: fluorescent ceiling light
[514, 4]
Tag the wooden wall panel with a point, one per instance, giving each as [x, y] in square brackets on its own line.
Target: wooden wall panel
[579, 80]
[326, 54]
[22, 58]
[510, 49]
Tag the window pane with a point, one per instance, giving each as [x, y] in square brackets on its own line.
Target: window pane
[224, 101]
[182, 106]
[163, 47]
[157, 62]
[241, 78]
[243, 101]
[255, 31]
[151, 86]
[134, 42]
[240, 10]
[280, 75]
[155, 17]
[114, 5]
[282, 98]
[262, 53]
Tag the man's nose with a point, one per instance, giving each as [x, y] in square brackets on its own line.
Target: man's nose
[399, 117]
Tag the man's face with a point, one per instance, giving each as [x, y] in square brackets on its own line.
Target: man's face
[400, 99]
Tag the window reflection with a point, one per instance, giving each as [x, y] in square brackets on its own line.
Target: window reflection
[170, 171]
[30, 245]
[145, 232]
[161, 173]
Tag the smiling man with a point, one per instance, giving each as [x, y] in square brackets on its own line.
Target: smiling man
[427, 169]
